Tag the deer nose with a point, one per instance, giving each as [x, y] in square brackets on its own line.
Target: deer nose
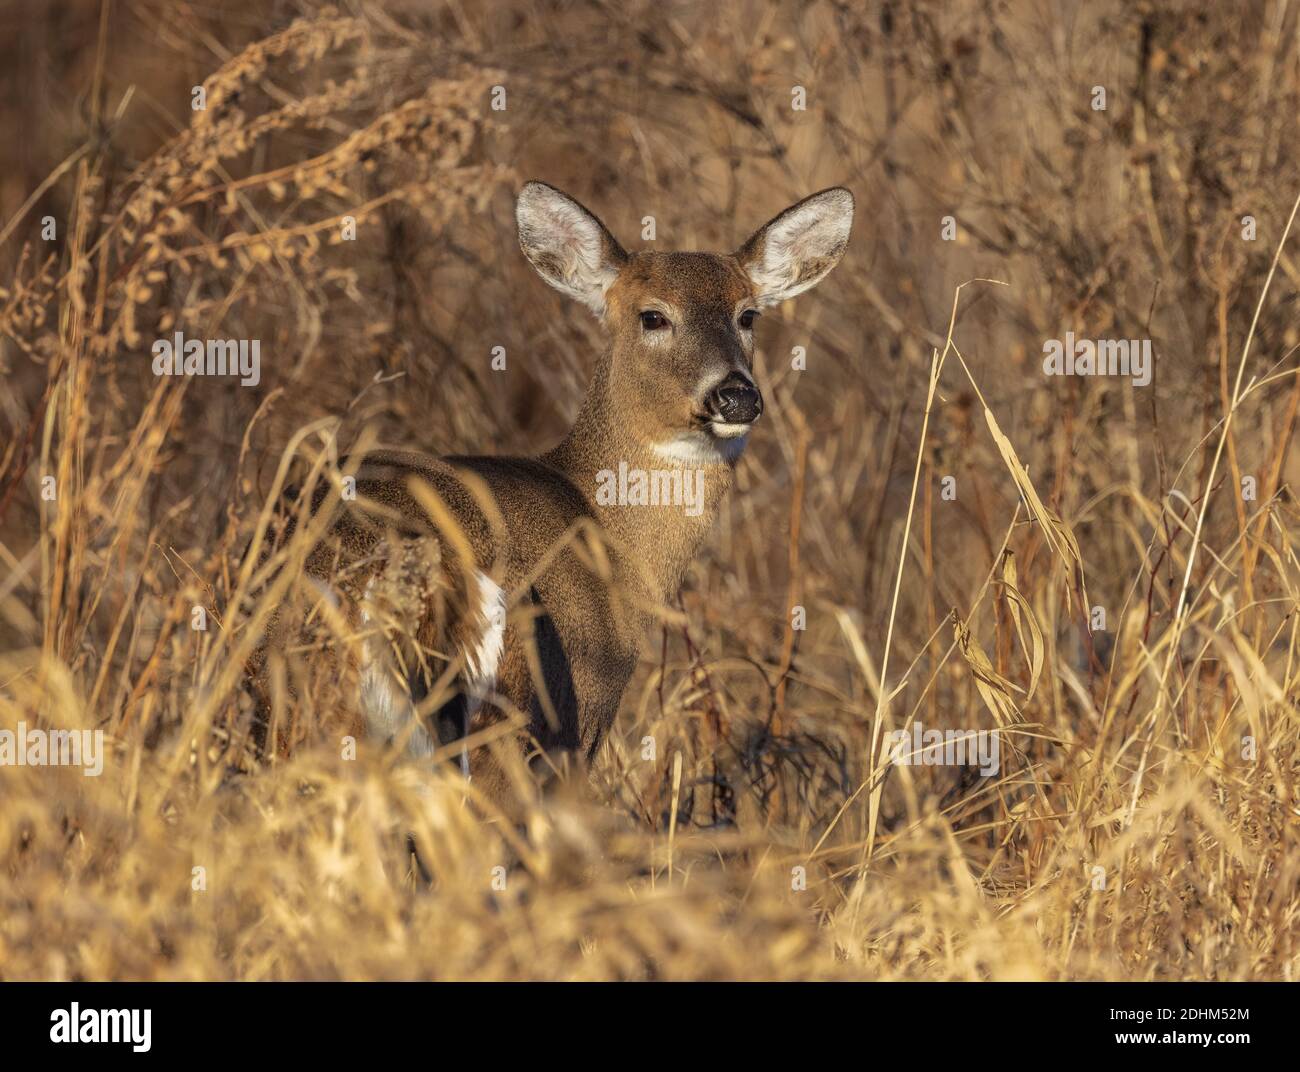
[736, 400]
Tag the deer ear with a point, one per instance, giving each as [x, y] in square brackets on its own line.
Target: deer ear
[799, 247]
[570, 248]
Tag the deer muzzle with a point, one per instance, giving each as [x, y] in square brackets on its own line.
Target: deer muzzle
[735, 402]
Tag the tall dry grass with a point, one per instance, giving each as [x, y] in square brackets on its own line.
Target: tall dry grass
[1132, 833]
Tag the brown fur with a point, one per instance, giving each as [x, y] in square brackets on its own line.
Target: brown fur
[583, 580]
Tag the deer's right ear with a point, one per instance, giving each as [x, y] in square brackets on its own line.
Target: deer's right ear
[795, 250]
[570, 248]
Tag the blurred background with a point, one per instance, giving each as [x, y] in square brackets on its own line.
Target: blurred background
[1127, 170]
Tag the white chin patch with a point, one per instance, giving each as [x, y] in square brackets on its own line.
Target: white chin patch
[721, 443]
[728, 431]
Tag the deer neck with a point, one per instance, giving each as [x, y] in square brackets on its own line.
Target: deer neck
[622, 474]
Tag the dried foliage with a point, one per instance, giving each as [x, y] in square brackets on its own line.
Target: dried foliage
[1133, 831]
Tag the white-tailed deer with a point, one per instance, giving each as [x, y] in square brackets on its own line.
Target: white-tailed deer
[493, 588]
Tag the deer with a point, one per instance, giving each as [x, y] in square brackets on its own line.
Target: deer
[500, 591]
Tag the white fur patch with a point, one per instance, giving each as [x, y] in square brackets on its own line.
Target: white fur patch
[659, 338]
[385, 703]
[703, 448]
[483, 659]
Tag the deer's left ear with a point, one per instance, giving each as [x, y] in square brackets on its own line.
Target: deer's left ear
[570, 248]
[799, 247]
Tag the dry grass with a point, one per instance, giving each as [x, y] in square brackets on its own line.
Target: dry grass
[1126, 836]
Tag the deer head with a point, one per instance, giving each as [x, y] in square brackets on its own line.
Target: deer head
[679, 373]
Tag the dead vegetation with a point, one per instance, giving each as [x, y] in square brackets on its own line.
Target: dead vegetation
[1144, 822]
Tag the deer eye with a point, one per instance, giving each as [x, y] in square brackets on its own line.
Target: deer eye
[652, 320]
[747, 318]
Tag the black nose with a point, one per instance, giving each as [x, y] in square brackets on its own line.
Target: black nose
[736, 400]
